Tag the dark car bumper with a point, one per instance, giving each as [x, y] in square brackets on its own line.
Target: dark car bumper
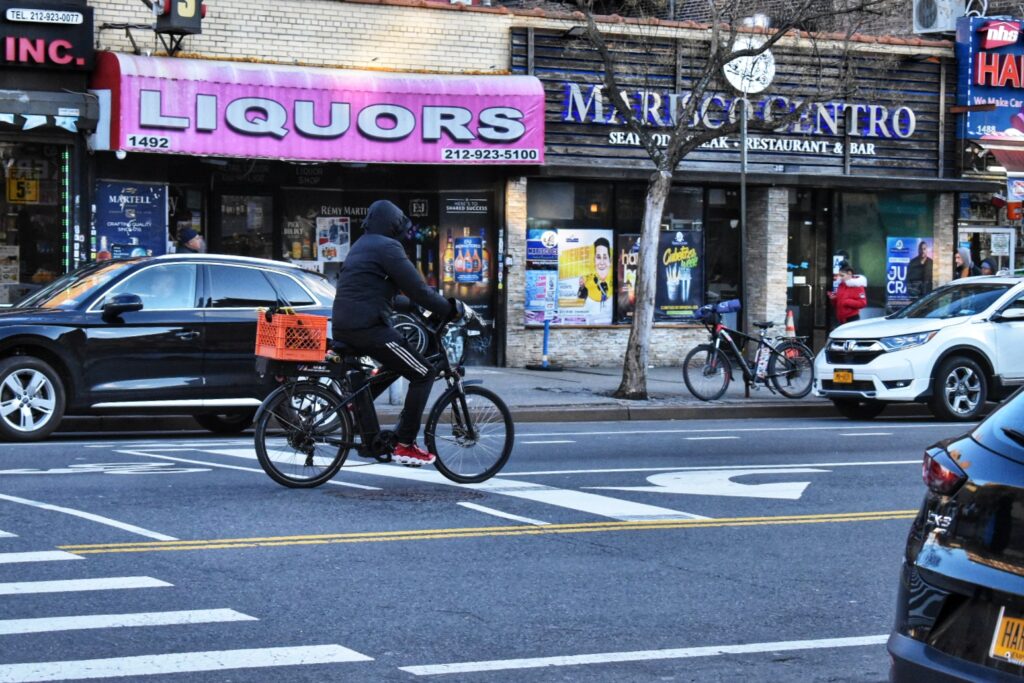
[914, 662]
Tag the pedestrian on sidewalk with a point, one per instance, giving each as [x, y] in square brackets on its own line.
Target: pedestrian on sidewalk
[850, 296]
[963, 265]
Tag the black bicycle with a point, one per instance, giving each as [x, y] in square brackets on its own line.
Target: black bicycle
[306, 428]
[783, 364]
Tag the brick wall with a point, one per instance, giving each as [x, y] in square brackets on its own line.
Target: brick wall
[764, 265]
[945, 238]
[328, 33]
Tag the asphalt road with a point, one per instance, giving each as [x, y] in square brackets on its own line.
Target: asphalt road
[761, 550]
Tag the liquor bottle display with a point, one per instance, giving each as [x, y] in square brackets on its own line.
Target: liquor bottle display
[448, 261]
[104, 253]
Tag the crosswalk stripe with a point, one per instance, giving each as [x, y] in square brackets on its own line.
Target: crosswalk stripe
[94, 621]
[74, 585]
[7, 534]
[39, 556]
[178, 662]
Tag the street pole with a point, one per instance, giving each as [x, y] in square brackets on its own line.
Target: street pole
[743, 222]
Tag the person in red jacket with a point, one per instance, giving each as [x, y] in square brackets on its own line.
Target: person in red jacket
[850, 296]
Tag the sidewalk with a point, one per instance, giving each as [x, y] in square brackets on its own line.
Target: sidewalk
[571, 395]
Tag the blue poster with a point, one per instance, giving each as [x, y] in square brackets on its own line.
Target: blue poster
[541, 275]
[130, 220]
[908, 270]
[988, 53]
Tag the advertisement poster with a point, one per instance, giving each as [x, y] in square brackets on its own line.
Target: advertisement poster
[467, 261]
[541, 275]
[627, 256]
[680, 274]
[130, 219]
[333, 238]
[584, 277]
[908, 270]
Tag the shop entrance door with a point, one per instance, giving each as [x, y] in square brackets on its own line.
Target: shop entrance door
[994, 244]
[808, 266]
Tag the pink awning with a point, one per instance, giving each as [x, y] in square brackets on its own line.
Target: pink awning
[235, 109]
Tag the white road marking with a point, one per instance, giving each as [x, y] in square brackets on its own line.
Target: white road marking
[592, 503]
[75, 585]
[131, 528]
[236, 467]
[551, 441]
[643, 655]
[711, 438]
[178, 662]
[868, 463]
[93, 621]
[866, 434]
[720, 483]
[965, 426]
[7, 534]
[503, 515]
[40, 556]
[111, 468]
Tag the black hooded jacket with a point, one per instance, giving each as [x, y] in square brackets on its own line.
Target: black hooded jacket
[376, 269]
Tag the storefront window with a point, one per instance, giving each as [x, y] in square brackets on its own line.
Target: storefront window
[33, 237]
[869, 228]
[247, 228]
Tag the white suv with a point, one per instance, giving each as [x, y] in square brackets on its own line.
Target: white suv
[956, 347]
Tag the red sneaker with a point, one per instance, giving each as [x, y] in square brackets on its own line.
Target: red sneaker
[412, 455]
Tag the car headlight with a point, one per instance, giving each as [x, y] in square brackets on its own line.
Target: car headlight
[906, 341]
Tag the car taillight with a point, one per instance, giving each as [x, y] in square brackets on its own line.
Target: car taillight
[940, 473]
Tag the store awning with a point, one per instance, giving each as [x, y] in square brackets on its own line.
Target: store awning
[1008, 152]
[234, 109]
[46, 111]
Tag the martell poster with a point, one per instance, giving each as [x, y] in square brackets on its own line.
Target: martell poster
[130, 220]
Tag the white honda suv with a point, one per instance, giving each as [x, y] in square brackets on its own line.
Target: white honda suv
[954, 348]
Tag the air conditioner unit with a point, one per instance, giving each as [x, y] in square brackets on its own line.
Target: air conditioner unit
[937, 16]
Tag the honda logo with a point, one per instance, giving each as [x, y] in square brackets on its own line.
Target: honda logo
[848, 345]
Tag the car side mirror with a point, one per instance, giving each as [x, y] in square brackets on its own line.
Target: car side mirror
[1010, 315]
[121, 303]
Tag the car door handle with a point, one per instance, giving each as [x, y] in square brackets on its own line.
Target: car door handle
[187, 335]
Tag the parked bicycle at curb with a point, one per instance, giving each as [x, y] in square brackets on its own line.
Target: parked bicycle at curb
[305, 429]
[782, 364]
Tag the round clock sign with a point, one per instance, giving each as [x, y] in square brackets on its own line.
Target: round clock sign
[752, 74]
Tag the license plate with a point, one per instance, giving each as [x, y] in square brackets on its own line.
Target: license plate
[842, 376]
[1008, 640]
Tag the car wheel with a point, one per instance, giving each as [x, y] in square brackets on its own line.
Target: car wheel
[225, 423]
[959, 390]
[856, 409]
[31, 399]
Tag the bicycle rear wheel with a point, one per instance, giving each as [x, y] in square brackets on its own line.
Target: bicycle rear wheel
[471, 434]
[791, 369]
[302, 435]
[707, 372]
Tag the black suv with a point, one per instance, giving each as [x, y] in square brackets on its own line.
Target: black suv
[170, 335]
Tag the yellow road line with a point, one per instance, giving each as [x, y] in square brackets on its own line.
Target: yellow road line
[482, 532]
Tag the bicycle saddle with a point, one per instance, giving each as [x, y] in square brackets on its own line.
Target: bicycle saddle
[764, 324]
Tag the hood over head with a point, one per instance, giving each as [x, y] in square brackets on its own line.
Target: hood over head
[384, 218]
[965, 256]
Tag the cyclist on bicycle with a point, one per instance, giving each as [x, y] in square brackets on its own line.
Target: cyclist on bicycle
[376, 269]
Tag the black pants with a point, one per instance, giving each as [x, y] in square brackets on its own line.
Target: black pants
[390, 349]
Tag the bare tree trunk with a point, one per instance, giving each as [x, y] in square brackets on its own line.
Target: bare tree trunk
[634, 368]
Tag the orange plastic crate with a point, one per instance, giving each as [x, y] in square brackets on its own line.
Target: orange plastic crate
[291, 336]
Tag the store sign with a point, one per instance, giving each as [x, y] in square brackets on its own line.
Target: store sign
[240, 110]
[48, 36]
[990, 58]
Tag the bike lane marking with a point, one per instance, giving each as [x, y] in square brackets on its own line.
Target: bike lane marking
[591, 503]
[130, 528]
[643, 655]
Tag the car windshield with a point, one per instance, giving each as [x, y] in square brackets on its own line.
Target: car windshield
[954, 301]
[71, 289]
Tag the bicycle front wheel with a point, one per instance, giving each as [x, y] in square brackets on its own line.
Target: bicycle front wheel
[471, 433]
[302, 435]
[707, 372]
[791, 368]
